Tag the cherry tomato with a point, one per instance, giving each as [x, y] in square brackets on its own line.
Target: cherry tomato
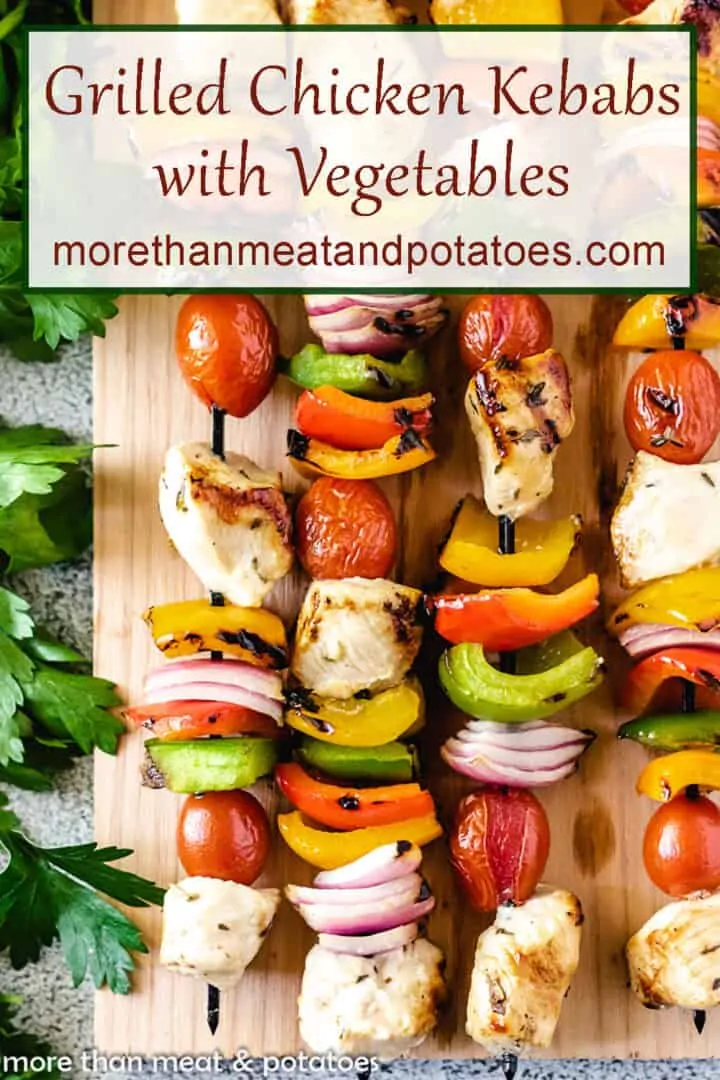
[345, 528]
[226, 347]
[223, 834]
[499, 846]
[511, 327]
[681, 849]
[672, 406]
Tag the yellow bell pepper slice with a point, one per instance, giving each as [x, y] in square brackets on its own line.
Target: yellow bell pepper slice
[690, 600]
[360, 721]
[665, 777]
[651, 322]
[401, 454]
[708, 94]
[192, 626]
[542, 548]
[328, 850]
[495, 12]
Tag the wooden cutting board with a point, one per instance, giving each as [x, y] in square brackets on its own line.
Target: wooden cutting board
[141, 406]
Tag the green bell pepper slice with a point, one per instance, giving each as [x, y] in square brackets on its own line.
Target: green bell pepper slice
[362, 375]
[675, 731]
[550, 677]
[207, 764]
[393, 763]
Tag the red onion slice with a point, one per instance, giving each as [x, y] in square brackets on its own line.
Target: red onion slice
[327, 303]
[540, 737]
[486, 772]
[228, 673]
[643, 639]
[526, 761]
[328, 919]
[370, 944]
[708, 134]
[206, 691]
[298, 895]
[385, 863]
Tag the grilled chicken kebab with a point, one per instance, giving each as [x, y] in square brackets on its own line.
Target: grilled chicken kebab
[520, 410]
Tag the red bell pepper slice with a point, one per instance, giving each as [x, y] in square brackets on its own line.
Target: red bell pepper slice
[505, 619]
[696, 665]
[174, 720]
[352, 808]
[351, 423]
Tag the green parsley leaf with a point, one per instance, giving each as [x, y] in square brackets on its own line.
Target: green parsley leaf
[68, 315]
[14, 617]
[33, 470]
[50, 893]
[75, 705]
[18, 1045]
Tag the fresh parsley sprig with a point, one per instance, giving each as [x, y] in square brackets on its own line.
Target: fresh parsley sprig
[18, 1046]
[49, 894]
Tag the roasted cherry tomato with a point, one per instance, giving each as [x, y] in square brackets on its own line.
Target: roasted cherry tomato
[226, 347]
[681, 849]
[345, 528]
[672, 407]
[223, 834]
[509, 326]
[499, 846]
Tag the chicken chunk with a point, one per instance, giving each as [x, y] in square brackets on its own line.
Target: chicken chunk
[519, 411]
[229, 521]
[667, 519]
[213, 929]
[383, 1004]
[239, 12]
[340, 12]
[673, 958]
[703, 14]
[524, 964]
[356, 634]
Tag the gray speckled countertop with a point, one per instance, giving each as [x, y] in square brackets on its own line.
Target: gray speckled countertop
[60, 395]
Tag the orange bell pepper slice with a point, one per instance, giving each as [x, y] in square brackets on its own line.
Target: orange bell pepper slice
[401, 454]
[695, 665]
[653, 321]
[708, 178]
[505, 619]
[352, 808]
[665, 777]
[352, 423]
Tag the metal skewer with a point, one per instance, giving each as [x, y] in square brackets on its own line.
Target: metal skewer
[699, 1016]
[217, 600]
[506, 545]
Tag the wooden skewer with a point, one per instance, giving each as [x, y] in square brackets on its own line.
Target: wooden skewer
[506, 543]
[699, 1016]
[217, 600]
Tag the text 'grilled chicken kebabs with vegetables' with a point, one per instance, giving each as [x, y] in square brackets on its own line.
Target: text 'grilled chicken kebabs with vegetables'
[514, 663]
[373, 982]
[666, 540]
[214, 709]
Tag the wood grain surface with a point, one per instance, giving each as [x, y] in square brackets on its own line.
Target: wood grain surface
[142, 407]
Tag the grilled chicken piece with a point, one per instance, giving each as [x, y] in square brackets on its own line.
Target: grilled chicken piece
[356, 634]
[524, 964]
[673, 958]
[704, 14]
[213, 929]
[667, 519]
[383, 1004]
[229, 521]
[210, 12]
[519, 411]
[340, 12]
